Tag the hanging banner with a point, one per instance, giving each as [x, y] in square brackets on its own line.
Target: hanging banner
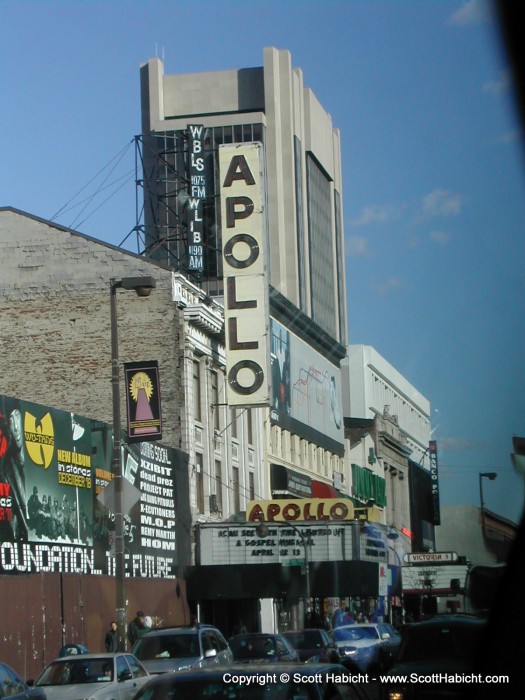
[143, 401]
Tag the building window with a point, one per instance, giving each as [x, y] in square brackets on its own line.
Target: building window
[218, 483]
[215, 400]
[340, 269]
[249, 426]
[322, 254]
[299, 216]
[233, 415]
[236, 490]
[251, 477]
[199, 482]
[197, 408]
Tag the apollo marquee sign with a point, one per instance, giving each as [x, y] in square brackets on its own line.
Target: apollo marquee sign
[245, 275]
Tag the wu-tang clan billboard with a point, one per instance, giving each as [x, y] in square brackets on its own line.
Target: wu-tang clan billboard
[53, 466]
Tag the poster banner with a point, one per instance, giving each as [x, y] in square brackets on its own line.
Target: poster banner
[143, 401]
[54, 469]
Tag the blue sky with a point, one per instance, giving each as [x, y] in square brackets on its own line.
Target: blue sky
[433, 172]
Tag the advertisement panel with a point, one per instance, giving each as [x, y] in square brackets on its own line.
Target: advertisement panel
[54, 469]
[245, 275]
[143, 401]
[306, 390]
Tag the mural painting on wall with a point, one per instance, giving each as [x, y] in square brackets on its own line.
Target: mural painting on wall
[54, 468]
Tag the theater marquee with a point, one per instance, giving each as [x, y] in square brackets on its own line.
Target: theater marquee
[245, 275]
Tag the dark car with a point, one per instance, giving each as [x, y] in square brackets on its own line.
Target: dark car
[259, 646]
[12, 686]
[255, 682]
[444, 644]
[72, 649]
[313, 645]
[181, 648]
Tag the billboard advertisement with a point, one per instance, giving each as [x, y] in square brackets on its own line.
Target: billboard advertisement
[306, 390]
[55, 468]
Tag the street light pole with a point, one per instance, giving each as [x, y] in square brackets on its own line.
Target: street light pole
[491, 476]
[142, 286]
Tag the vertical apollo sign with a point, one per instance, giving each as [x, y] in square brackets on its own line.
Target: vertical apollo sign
[245, 275]
[197, 192]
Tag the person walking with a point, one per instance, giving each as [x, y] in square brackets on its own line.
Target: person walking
[136, 628]
[111, 639]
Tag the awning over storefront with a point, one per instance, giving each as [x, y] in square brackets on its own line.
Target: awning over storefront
[327, 579]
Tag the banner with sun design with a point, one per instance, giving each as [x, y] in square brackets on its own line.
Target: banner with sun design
[143, 401]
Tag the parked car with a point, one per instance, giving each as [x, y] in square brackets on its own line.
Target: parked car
[259, 646]
[177, 648]
[93, 676]
[369, 646]
[444, 644]
[313, 645]
[312, 681]
[12, 686]
[72, 649]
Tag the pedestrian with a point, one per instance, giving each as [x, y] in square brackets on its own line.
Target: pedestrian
[347, 617]
[136, 628]
[338, 615]
[111, 639]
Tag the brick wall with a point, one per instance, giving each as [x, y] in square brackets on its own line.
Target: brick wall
[55, 329]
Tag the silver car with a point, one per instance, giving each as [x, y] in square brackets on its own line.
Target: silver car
[177, 648]
[93, 676]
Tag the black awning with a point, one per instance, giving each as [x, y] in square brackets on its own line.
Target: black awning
[327, 579]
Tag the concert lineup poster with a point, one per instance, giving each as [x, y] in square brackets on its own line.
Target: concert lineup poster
[54, 465]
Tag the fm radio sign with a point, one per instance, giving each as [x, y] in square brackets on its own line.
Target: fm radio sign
[245, 275]
[197, 192]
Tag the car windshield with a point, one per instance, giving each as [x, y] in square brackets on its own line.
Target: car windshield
[439, 643]
[252, 647]
[167, 646]
[305, 640]
[74, 671]
[351, 633]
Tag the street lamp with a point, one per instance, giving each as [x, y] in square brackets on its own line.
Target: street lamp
[262, 531]
[142, 286]
[491, 476]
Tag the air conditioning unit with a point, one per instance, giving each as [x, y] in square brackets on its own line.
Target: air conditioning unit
[214, 506]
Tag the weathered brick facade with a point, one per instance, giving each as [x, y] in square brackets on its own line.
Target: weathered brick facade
[55, 337]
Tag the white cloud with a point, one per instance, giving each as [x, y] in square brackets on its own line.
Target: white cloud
[441, 203]
[510, 136]
[378, 213]
[391, 284]
[498, 86]
[457, 443]
[471, 12]
[441, 237]
[357, 247]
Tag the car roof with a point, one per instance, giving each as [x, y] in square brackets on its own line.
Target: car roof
[304, 629]
[183, 629]
[253, 669]
[255, 634]
[87, 657]
[447, 620]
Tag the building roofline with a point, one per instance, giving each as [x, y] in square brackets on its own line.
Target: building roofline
[85, 236]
